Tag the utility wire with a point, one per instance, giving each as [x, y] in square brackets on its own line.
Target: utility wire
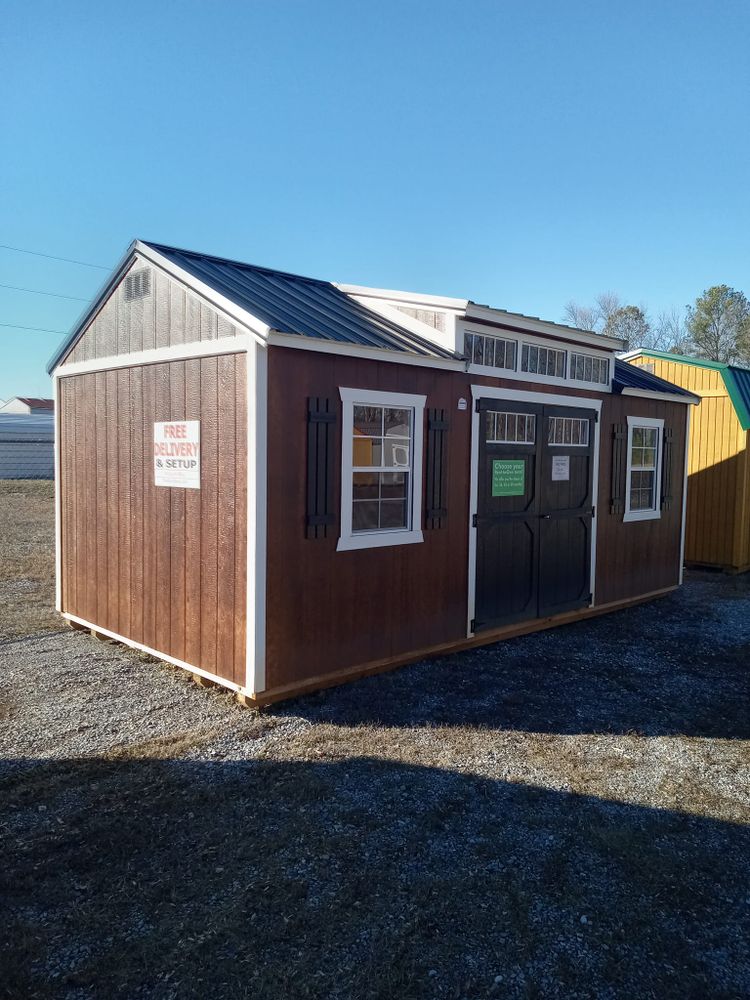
[36, 329]
[49, 256]
[37, 291]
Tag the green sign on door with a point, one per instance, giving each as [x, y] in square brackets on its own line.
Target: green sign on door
[508, 477]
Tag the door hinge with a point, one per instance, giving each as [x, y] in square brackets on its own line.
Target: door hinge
[593, 511]
[474, 520]
[477, 407]
[590, 598]
[473, 625]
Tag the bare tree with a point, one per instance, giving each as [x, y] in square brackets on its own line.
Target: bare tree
[669, 333]
[607, 304]
[582, 317]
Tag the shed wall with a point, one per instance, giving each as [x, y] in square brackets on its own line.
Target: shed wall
[717, 504]
[329, 611]
[168, 315]
[162, 567]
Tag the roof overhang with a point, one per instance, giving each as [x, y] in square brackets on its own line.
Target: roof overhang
[685, 397]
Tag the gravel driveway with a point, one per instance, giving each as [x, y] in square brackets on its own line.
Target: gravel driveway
[563, 815]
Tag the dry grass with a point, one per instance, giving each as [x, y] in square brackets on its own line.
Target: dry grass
[27, 557]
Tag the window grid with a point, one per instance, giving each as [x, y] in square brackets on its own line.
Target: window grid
[381, 468]
[494, 352]
[588, 368]
[510, 428]
[543, 361]
[644, 453]
[573, 431]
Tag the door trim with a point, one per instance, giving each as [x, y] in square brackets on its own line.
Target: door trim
[522, 396]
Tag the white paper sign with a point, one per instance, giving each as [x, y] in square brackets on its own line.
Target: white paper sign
[463, 404]
[177, 453]
[560, 468]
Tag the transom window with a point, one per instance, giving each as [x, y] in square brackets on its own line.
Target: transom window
[543, 361]
[568, 430]
[495, 352]
[588, 368]
[642, 500]
[381, 468]
[510, 428]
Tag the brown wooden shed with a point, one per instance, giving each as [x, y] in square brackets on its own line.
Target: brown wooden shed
[281, 483]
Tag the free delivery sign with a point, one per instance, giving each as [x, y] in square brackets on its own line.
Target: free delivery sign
[177, 454]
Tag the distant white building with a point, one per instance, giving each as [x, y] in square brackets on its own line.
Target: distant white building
[27, 406]
[27, 446]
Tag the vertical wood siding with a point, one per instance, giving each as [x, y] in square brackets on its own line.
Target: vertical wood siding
[168, 315]
[638, 557]
[164, 567]
[718, 504]
[329, 611]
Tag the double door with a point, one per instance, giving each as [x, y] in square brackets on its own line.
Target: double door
[534, 511]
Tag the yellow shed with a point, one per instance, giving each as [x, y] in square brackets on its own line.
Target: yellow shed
[717, 531]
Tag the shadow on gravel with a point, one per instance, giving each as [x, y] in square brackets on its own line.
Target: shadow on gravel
[659, 669]
[356, 879]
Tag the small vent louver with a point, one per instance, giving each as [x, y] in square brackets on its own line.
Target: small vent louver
[138, 284]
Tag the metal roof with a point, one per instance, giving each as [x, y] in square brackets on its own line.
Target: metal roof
[627, 376]
[736, 379]
[26, 428]
[309, 307]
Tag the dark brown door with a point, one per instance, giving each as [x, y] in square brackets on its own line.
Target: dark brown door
[534, 511]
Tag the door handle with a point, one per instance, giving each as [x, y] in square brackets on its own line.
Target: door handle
[545, 517]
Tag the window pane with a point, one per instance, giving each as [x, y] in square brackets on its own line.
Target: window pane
[649, 437]
[368, 421]
[510, 354]
[397, 423]
[393, 485]
[638, 436]
[365, 485]
[367, 451]
[393, 514]
[364, 515]
[395, 452]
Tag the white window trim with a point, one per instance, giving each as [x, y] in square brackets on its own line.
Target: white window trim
[644, 515]
[398, 536]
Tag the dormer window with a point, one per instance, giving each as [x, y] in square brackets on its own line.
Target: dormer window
[543, 361]
[493, 352]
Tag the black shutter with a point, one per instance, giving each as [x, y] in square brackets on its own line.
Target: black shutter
[435, 509]
[619, 468]
[666, 469]
[321, 439]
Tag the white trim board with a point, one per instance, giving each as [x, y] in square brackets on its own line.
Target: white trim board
[349, 540]
[157, 654]
[257, 486]
[540, 398]
[157, 355]
[688, 414]
[667, 397]
[58, 497]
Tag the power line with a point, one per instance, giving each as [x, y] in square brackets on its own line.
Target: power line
[37, 291]
[49, 256]
[36, 329]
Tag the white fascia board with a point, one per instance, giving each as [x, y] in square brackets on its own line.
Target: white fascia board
[277, 338]
[156, 355]
[543, 327]
[669, 397]
[413, 298]
[627, 355]
[234, 312]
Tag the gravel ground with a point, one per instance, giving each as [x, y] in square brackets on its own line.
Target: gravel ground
[562, 815]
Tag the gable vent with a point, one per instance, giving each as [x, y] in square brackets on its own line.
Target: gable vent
[138, 284]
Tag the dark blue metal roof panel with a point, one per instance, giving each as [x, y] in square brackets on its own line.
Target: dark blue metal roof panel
[307, 307]
[627, 376]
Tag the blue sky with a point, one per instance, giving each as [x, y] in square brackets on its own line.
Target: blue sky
[519, 154]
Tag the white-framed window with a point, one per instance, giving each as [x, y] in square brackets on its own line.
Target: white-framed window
[571, 431]
[490, 351]
[381, 468]
[589, 368]
[643, 481]
[543, 361]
